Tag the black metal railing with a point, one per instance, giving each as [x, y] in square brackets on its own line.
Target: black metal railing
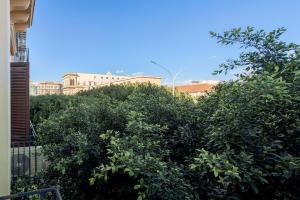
[42, 194]
[26, 160]
[22, 55]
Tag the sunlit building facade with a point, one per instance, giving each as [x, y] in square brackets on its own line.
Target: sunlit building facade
[197, 88]
[75, 82]
[49, 87]
[33, 88]
[15, 18]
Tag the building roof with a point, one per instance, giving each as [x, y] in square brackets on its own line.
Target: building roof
[50, 82]
[202, 87]
[144, 76]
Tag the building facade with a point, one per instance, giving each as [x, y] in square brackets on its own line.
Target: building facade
[48, 87]
[75, 82]
[33, 88]
[197, 88]
[15, 17]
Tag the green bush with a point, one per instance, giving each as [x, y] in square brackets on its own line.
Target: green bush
[251, 141]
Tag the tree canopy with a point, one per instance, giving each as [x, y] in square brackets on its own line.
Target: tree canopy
[264, 52]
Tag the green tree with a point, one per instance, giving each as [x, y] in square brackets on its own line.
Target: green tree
[251, 141]
[265, 53]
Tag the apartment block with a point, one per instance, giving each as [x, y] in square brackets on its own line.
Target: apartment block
[33, 88]
[49, 87]
[45, 88]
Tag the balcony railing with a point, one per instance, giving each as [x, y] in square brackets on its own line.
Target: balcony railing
[42, 194]
[27, 160]
[22, 55]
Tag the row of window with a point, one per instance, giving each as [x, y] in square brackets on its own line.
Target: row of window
[113, 78]
[90, 83]
[49, 87]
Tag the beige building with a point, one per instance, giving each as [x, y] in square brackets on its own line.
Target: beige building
[48, 87]
[75, 82]
[197, 88]
[15, 17]
[33, 88]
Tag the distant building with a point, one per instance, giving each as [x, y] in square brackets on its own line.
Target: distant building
[197, 88]
[75, 82]
[44, 88]
[212, 82]
[33, 88]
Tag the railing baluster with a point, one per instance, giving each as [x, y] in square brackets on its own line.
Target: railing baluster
[24, 157]
[29, 150]
[13, 160]
[18, 159]
[35, 161]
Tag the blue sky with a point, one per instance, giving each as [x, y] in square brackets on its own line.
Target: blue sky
[122, 36]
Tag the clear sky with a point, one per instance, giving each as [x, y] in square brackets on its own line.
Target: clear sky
[122, 36]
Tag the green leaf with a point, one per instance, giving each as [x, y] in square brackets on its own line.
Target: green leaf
[92, 181]
[216, 172]
[131, 173]
[136, 187]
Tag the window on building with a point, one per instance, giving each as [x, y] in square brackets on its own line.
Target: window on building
[72, 82]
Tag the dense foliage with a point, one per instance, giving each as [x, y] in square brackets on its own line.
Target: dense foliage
[241, 141]
[266, 53]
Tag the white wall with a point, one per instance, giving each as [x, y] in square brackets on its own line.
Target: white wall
[4, 97]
